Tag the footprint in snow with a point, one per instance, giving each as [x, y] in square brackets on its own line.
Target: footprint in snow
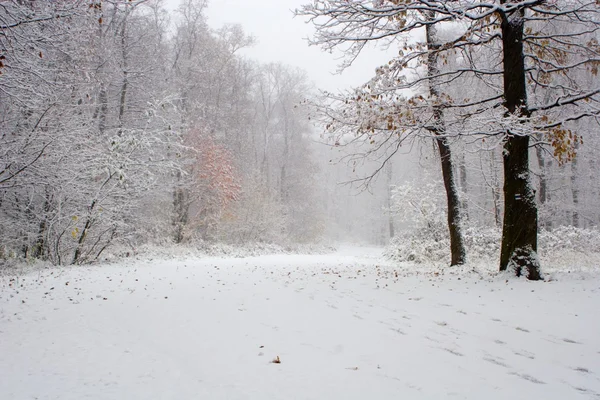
[495, 361]
[528, 378]
[567, 340]
[580, 389]
[525, 354]
[398, 330]
[431, 339]
[582, 369]
[522, 329]
[452, 351]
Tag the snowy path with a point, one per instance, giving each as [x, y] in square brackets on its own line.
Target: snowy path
[344, 327]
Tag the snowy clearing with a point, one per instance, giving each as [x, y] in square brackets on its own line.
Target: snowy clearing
[344, 326]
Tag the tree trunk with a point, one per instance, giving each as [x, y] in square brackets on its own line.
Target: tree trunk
[102, 106]
[41, 248]
[575, 190]
[543, 184]
[181, 206]
[457, 249]
[495, 186]
[463, 185]
[519, 233]
[283, 188]
[389, 180]
[125, 83]
[84, 233]
[456, 241]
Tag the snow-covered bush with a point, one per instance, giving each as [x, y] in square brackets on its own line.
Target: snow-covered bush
[483, 244]
[421, 248]
[417, 248]
[422, 207]
[570, 238]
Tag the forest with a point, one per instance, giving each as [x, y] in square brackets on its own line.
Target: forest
[124, 125]
[119, 127]
[182, 217]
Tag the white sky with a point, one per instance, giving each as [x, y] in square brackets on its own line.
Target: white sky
[282, 38]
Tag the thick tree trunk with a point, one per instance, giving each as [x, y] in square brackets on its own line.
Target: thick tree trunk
[519, 233]
[457, 249]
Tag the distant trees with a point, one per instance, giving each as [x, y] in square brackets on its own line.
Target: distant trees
[88, 125]
[533, 52]
[116, 131]
[118, 128]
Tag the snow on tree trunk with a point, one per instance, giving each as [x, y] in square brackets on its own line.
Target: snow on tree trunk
[519, 233]
[457, 248]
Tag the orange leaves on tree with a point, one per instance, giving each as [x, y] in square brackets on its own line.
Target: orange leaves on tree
[214, 178]
[216, 171]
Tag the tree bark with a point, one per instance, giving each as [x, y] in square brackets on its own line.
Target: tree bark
[495, 186]
[457, 249]
[41, 248]
[84, 233]
[543, 182]
[124, 68]
[181, 206]
[463, 185]
[519, 233]
[575, 190]
[389, 180]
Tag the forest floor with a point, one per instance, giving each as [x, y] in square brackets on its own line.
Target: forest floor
[343, 326]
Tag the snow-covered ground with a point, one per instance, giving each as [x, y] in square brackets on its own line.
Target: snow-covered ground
[344, 326]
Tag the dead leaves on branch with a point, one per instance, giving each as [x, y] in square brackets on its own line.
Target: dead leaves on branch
[565, 143]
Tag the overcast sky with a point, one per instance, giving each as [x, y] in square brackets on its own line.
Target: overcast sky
[282, 38]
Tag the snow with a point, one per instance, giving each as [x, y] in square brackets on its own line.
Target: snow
[346, 325]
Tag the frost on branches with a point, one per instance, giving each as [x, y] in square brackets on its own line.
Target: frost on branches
[532, 60]
[119, 129]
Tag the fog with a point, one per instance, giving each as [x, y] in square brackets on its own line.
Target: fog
[127, 124]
